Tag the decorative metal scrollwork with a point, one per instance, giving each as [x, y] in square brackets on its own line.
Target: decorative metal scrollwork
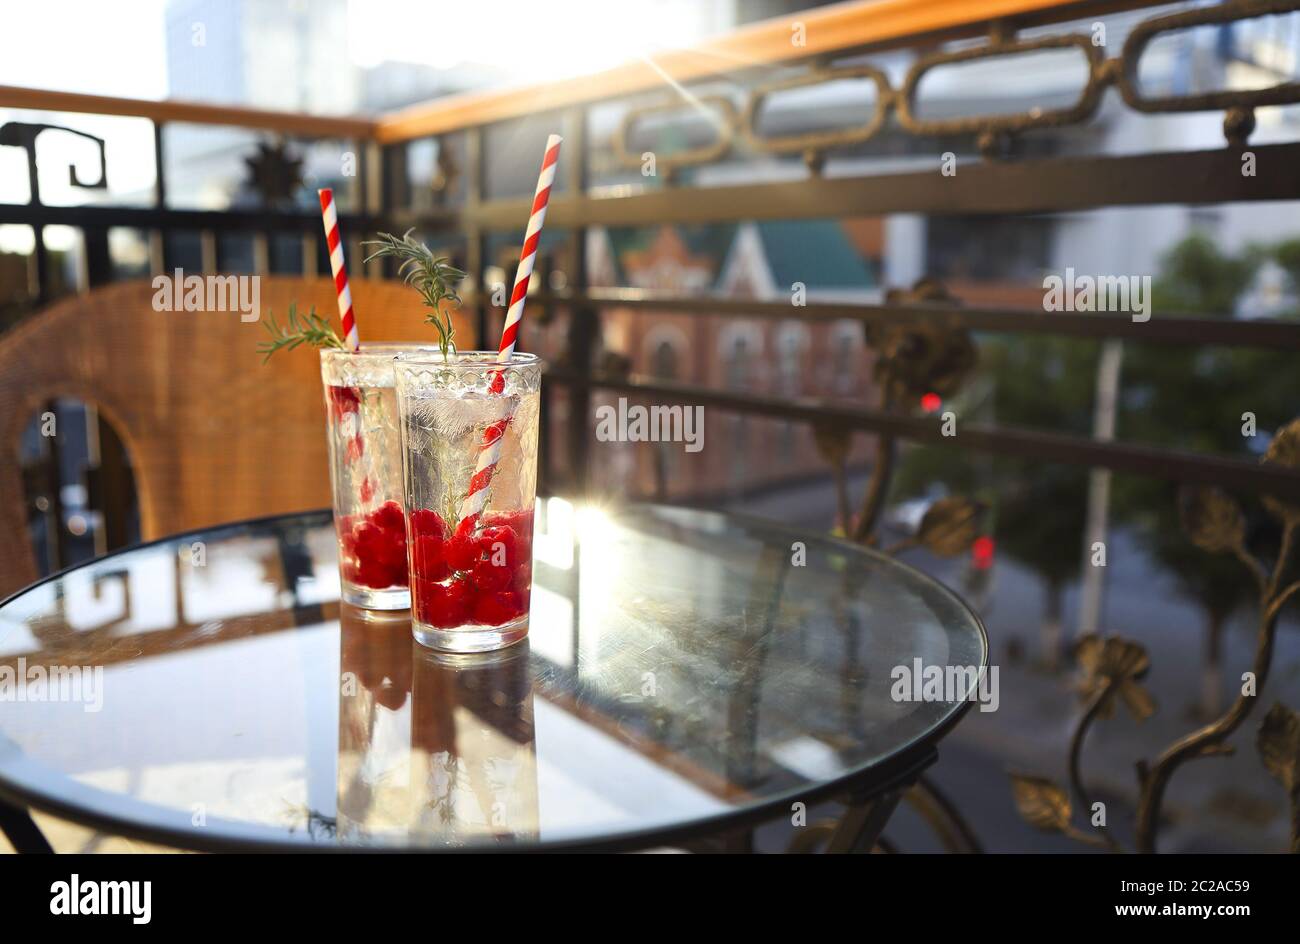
[1122, 71]
[22, 134]
[274, 173]
[1081, 110]
[669, 163]
[819, 140]
[1282, 94]
[1114, 667]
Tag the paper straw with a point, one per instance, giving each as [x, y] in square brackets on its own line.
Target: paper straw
[346, 316]
[528, 255]
[490, 448]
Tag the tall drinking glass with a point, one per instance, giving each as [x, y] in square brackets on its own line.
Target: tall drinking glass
[366, 473]
[469, 452]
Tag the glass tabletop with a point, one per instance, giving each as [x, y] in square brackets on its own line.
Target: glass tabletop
[683, 669]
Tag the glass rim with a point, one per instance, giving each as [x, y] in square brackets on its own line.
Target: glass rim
[467, 359]
[381, 349]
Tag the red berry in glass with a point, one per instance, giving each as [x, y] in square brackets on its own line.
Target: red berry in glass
[366, 474]
[470, 453]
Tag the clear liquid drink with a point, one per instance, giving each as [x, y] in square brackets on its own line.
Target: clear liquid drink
[469, 452]
[366, 473]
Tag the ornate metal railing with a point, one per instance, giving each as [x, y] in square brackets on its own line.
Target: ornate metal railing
[466, 212]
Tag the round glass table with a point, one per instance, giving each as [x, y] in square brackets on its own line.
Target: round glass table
[687, 675]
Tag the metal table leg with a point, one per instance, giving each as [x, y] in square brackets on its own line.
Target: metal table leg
[862, 824]
[17, 825]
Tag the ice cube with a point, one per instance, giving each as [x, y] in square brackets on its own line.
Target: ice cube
[455, 416]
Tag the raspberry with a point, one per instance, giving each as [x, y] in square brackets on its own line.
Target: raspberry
[501, 546]
[350, 569]
[374, 574]
[462, 550]
[381, 555]
[367, 539]
[461, 554]
[521, 523]
[490, 576]
[368, 556]
[427, 521]
[392, 552]
[523, 578]
[344, 400]
[383, 537]
[389, 516]
[427, 558]
[443, 606]
[497, 607]
[521, 519]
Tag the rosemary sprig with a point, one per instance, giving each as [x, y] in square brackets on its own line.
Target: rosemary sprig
[433, 277]
[451, 508]
[310, 329]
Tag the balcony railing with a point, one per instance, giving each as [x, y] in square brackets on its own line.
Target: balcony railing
[1008, 167]
[993, 185]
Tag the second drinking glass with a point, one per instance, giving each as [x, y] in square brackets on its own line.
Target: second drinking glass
[469, 456]
[366, 473]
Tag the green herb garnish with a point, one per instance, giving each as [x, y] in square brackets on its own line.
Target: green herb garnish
[310, 329]
[433, 277]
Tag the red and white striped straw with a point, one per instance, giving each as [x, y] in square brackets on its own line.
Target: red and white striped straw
[335, 242]
[490, 447]
[528, 255]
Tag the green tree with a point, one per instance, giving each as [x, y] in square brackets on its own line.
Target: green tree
[1038, 509]
[1187, 397]
[1046, 383]
[1201, 399]
[1196, 277]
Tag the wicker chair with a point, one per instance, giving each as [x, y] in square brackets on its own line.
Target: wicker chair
[212, 434]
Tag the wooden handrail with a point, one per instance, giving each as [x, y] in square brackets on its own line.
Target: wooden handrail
[315, 126]
[844, 26]
[830, 29]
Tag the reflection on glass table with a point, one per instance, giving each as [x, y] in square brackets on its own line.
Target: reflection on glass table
[686, 675]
